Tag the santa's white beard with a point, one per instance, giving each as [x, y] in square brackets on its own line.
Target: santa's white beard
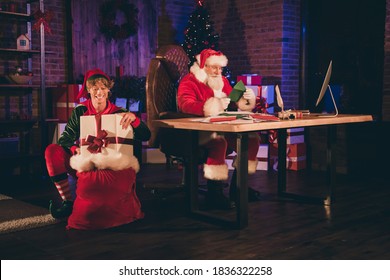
[215, 82]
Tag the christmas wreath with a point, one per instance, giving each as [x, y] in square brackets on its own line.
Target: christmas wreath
[108, 19]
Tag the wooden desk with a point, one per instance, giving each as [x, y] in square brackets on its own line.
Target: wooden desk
[242, 131]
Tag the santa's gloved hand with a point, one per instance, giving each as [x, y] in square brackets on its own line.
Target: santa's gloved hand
[225, 102]
[247, 101]
[249, 94]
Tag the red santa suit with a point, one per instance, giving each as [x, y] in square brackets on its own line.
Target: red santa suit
[196, 97]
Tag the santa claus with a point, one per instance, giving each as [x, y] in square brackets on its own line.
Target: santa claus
[205, 92]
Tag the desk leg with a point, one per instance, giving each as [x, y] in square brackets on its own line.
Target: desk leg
[282, 147]
[242, 180]
[191, 176]
[330, 163]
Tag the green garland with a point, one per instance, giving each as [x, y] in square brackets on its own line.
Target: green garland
[107, 17]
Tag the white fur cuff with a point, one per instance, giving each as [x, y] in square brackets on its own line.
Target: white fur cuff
[212, 107]
[216, 172]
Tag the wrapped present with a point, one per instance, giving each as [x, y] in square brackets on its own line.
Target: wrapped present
[295, 156]
[268, 92]
[65, 99]
[104, 144]
[58, 132]
[294, 136]
[250, 79]
[256, 90]
[262, 157]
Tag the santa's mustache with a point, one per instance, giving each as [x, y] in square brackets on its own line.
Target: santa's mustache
[215, 82]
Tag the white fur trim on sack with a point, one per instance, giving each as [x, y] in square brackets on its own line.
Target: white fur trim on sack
[112, 160]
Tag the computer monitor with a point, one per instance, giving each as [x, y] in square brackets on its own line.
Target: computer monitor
[325, 86]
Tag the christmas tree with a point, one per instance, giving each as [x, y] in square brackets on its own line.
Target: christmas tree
[200, 34]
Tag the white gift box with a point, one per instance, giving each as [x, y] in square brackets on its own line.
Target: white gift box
[104, 144]
[117, 139]
[268, 92]
[256, 89]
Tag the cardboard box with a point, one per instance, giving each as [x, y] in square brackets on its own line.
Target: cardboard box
[65, 99]
[250, 79]
[117, 138]
[262, 157]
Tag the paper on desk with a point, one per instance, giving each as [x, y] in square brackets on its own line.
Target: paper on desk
[225, 120]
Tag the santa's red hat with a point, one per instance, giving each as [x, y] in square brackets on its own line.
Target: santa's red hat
[211, 57]
[93, 73]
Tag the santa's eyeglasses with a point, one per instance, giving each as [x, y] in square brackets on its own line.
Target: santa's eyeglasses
[214, 67]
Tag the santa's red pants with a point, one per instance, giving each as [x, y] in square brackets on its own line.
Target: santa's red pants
[217, 148]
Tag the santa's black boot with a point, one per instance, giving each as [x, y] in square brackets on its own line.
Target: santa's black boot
[63, 212]
[253, 195]
[215, 197]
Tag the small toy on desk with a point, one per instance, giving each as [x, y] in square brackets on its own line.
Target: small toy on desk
[288, 114]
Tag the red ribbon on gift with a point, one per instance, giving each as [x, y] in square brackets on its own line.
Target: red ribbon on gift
[42, 18]
[97, 142]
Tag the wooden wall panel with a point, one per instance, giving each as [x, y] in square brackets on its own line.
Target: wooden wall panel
[91, 49]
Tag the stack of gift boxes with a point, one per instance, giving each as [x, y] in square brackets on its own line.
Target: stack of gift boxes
[64, 101]
[295, 151]
[254, 82]
[267, 155]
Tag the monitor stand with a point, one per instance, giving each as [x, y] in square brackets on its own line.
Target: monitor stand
[334, 104]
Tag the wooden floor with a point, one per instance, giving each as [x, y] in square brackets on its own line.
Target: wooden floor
[356, 226]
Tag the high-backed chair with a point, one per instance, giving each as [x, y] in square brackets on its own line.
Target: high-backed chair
[162, 80]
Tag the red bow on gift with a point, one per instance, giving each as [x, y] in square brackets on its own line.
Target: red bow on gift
[43, 18]
[97, 142]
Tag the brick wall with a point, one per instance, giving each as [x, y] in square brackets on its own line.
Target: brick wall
[54, 43]
[266, 33]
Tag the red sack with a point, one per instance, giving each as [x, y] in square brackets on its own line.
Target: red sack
[105, 198]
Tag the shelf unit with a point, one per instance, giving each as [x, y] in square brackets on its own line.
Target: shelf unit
[30, 123]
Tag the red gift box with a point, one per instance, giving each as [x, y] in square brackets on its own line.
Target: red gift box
[65, 99]
[250, 79]
[295, 156]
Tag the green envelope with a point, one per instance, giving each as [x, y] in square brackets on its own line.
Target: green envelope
[237, 91]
